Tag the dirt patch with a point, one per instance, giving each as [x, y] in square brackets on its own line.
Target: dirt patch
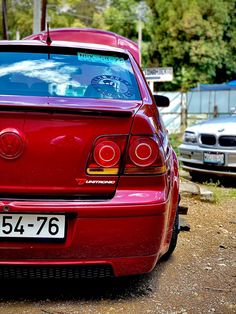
[200, 277]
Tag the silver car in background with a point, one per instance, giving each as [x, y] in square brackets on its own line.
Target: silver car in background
[210, 148]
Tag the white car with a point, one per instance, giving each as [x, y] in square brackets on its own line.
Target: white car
[210, 148]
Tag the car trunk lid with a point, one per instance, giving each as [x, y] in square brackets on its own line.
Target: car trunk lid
[52, 139]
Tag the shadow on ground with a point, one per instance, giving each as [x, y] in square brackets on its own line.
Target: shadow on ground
[91, 289]
[218, 181]
[224, 181]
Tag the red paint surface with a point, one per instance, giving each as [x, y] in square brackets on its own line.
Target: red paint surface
[89, 35]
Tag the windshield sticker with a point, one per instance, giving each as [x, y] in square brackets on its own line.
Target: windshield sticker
[89, 57]
[105, 84]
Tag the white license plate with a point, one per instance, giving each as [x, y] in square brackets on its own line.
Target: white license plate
[214, 158]
[32, 226]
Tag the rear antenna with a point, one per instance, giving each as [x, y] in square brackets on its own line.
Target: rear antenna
[48, 40]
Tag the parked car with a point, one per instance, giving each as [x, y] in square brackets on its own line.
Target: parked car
[210, 148]
[89, 182]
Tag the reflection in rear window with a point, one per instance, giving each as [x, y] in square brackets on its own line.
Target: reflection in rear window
[82, 74]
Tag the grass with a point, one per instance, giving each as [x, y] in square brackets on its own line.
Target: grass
[175, 140]
[223, 188]
[232, 193]
[220, 192]
[214, 186]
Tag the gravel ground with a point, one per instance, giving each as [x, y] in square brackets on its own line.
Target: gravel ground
[200, 277]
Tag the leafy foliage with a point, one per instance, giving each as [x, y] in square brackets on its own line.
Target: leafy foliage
[196, 37]
[19, 17]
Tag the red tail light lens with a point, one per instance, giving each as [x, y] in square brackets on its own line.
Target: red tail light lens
[106, 155]
[145, 156]
[143, 151]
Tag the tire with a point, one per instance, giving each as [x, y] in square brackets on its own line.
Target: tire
[174, 238]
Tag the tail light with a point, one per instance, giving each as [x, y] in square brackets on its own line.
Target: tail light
[143, 151]
[106, 156]
[145, 156]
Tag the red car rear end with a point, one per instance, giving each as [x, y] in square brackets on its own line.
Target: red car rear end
[89, 182]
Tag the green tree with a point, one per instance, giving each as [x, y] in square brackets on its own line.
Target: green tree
[73, 13]
[121, 17]
[60, 13]
[195, 37]
[19, 17]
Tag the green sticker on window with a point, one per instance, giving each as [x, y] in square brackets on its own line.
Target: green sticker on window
[90, 57]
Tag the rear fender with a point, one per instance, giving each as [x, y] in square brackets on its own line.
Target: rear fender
[174, 195]
[146, 120]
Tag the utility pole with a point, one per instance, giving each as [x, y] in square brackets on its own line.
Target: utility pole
[4, 19]
[43, 18]
[140, 38]
[37, 16]
[141, 12]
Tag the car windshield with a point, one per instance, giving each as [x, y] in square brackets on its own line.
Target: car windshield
[81, 74]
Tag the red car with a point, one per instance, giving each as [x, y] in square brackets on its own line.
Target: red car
[89, 182]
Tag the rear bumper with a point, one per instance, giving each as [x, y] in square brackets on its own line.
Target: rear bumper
[129, 232]
[125, 203]
[70, 269]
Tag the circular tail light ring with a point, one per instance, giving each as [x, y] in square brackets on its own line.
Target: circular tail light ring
[107, 154]
[143, 152]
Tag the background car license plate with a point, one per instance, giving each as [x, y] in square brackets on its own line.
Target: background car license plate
[214, 158]
[32, 226]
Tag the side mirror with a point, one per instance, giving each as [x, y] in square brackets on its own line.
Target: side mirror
[161, 101]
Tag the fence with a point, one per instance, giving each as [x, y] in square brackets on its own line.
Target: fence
[188, 108]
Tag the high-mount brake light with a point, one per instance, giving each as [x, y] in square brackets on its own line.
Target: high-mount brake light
[106, 155]
[145, 156]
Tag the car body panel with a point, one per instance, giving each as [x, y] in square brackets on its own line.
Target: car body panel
[98, 230]
[89, 35]
[123, 220]
[59, 153]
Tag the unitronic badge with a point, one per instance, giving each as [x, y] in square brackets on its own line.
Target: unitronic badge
[11, 143]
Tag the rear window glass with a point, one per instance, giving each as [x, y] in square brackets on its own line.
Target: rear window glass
[82, 74]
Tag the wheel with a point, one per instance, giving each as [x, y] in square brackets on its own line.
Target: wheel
[174, 238]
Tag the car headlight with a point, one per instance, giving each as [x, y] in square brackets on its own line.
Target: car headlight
[190, 137]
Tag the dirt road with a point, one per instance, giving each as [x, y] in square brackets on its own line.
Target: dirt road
[200, 277]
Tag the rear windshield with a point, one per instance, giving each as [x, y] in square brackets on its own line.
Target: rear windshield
[81, 74]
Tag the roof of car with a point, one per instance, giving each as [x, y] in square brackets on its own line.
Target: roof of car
[65, 44]
[92, 36]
